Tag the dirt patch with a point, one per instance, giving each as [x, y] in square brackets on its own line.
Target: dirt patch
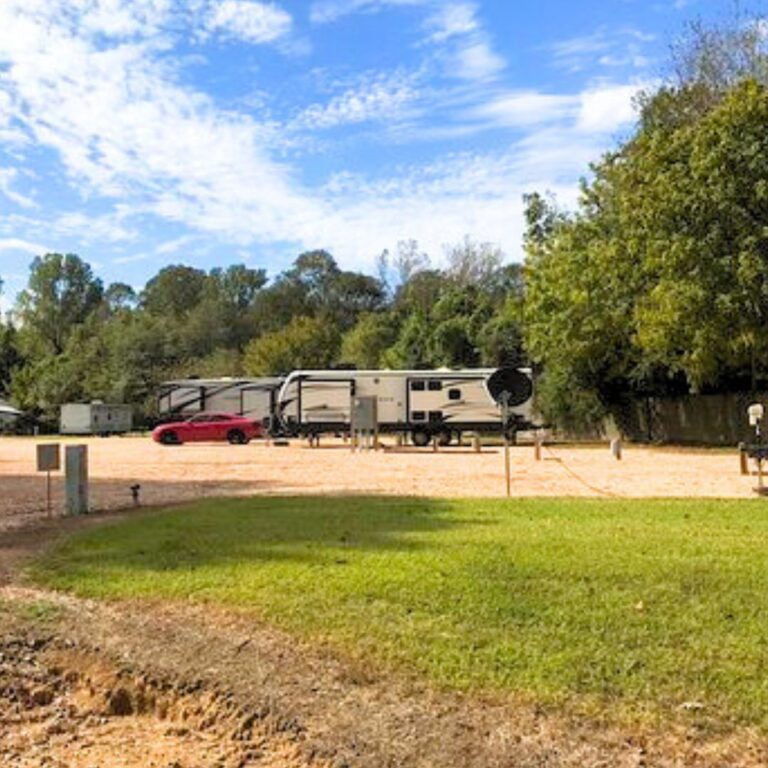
[187, 680]
[184, 473]
[64, 706]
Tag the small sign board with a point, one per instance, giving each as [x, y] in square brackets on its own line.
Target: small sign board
[49, 457]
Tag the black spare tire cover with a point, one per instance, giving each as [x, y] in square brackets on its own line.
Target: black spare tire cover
[516, 384]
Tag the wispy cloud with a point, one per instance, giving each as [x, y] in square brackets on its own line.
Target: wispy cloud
[326, 11]
[468, 50]
[451, 20]
[247, 20]
[375, 97]
[16, 244]
[133, 259]
[604, 47]
[8, 177]
[171, 246]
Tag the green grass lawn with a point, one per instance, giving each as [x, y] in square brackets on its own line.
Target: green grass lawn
[630, 608]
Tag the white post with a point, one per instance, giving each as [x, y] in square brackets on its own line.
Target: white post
[77, 479]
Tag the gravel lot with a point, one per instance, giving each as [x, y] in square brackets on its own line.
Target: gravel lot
[187, 472]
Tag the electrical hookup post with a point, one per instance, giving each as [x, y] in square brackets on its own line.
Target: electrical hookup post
[77, 479]
[48, 460]
[758, 451]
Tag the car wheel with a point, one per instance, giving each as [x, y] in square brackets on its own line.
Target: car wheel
[420, 438]
[170, 438]
[236, 437]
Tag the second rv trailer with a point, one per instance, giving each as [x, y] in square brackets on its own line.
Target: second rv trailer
[254, 398]
[422, 404]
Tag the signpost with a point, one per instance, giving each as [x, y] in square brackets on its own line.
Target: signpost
[510, 388]
[48, 460]
[505, 422]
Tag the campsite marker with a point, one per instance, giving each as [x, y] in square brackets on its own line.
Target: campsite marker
[48, 460]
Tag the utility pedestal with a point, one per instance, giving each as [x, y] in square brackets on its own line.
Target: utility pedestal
[364, 423]
[76, 463]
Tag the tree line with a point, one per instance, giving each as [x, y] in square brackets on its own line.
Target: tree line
[70, 338]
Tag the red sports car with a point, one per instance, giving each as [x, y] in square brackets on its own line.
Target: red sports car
[209, 428]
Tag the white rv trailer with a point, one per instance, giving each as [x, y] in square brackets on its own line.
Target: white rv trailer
[95, 419]
[422, 404]
[254, 398]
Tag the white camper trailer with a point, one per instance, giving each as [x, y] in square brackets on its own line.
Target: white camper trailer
[96, 419]
[422, 404]
[254, 398]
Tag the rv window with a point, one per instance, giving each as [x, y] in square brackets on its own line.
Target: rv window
[418, 416]
[435, 386]
[435, 415]
[454, 394]
[417, 386]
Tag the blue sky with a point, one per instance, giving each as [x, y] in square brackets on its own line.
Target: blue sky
[140, 133]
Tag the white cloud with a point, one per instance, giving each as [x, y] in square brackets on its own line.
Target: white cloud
[521, 109]
[326, 11]
[171, 246]
[470, 54]
[248, 20]
[451, 20]
[16, 244]
[599, 110]
[374, 98]
[8, 176]
[134, 259]
[607, 108]
[477, 61]
[604, 47]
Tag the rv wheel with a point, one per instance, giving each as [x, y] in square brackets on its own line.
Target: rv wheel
[236, 437]
[444, 437]
[420, 438]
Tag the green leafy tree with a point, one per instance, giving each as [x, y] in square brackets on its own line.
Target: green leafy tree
[305, 342]
[174, 291]
[61, 293]
[10, 355]
[365, 344]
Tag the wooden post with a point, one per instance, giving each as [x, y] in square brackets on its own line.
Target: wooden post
[616, 448]
[743, 459]
[476, 443]
[537, 441]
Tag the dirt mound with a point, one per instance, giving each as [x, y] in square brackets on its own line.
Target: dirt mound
[63, 706]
